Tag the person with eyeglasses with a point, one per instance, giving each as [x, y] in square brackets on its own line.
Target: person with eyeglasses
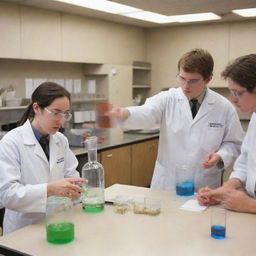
[239, 192]
[198, 127]
[35, 159]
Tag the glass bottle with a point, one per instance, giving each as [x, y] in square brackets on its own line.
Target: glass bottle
[93, 199]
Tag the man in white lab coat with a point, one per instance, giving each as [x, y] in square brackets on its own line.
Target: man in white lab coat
[205, 132]
[239, 192]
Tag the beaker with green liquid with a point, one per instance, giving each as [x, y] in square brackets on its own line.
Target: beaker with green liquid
[59, 220]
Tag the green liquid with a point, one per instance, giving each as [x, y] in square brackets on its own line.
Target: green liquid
[93, 208]
[60, 233]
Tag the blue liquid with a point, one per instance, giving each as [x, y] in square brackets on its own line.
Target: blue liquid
[185, 188]
[218, 232]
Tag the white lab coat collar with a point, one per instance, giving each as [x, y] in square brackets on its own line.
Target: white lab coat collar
[30, 139]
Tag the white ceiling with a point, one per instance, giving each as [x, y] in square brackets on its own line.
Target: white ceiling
[166, 7]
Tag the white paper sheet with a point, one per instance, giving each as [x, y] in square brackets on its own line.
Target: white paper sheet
[193, 205]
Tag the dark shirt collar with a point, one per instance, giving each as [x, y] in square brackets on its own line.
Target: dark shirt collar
[38, 135]
[200, 98]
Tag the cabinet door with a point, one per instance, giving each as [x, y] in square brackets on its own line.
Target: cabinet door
[117, 165]
[40, 34]
[143, 162]
[10, 31]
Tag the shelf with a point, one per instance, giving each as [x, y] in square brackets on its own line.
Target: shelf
[72, 101]
[141, 68]
[141, 65]
[96, 69]
[141, 86]
[13, 108]
[88, 100]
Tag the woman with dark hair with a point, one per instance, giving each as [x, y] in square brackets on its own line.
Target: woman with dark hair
[238, 193]
[35, 159]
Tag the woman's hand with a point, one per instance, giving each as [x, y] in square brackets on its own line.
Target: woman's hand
[65, 187]
[206, 195]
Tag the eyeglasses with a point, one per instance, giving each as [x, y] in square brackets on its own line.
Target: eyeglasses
[182, 80]
[237, 94]
[58, 115]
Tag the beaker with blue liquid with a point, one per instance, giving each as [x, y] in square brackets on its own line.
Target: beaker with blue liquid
[218, 223]
[185, 180]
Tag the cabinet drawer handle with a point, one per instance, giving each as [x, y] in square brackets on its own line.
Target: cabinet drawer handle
[109, 155]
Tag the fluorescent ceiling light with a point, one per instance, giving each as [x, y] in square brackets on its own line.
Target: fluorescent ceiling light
[158, 18]
[196, 17]
[125, 10]
[150, 16]
[250, 12]
[102, 5]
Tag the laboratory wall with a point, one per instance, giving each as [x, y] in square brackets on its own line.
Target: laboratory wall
[225, 41]
[65, 41]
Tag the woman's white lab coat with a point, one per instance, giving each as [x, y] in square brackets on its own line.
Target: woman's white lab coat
[245, 165]
[25, 172]
[184, 140]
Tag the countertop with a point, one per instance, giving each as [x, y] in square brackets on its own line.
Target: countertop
[115, 137]
[172, 232]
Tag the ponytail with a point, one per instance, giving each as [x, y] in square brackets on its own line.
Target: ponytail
[29, 113]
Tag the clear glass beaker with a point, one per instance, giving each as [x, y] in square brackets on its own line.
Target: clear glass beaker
[185, 184]
[218, 223]
[59, 220]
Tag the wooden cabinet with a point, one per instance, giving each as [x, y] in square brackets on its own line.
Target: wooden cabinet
[131, 165]
[143, 161]
[10, 31]
[40, 34]
[117, 165]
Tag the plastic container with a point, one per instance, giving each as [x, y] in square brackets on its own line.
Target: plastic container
[13, 102]
[102, 120]
[122, 204]
[152, 206]
[146, 205]
[139, 206]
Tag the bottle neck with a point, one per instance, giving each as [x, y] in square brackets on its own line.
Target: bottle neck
[92, 155]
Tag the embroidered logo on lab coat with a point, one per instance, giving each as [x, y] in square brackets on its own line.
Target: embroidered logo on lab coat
[60, 160]
[215, 125]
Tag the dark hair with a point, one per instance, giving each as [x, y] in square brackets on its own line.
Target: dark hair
[197, 60]
[44, 95]
[242, 71]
